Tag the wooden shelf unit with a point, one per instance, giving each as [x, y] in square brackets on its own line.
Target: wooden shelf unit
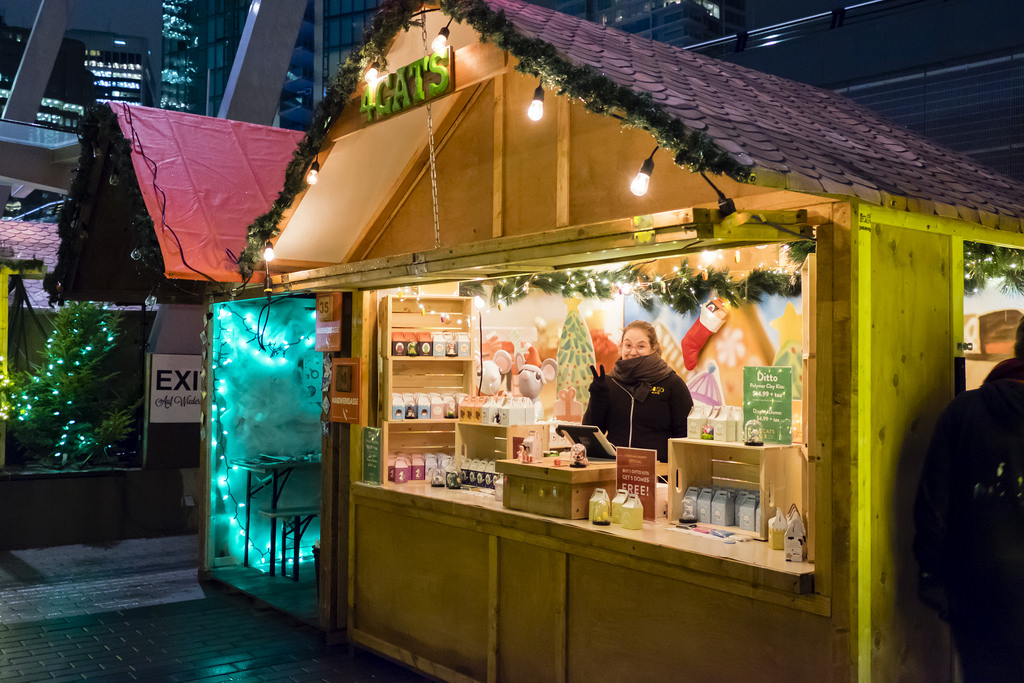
[495, 442]
[421, 374]
[778, 472]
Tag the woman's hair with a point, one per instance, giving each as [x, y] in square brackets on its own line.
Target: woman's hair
[1018, 346]
[652, 336]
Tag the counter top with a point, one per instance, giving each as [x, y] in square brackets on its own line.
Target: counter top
[747, 567]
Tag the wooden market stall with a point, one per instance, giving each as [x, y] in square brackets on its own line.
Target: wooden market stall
[436, 175]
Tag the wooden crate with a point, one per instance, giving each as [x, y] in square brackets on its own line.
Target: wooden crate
[421, 374]
[420, 437]
[495, 442]
[778, 472]
[563, 491]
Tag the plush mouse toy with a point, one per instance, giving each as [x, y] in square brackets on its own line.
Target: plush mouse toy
[533, 377]
[492, 371]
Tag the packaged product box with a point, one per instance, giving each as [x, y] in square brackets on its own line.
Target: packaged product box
[795, 544]
[451, 348]
[463, 348]
[437, 344]
[410, 406]
[397, 407]
[748, 519]
[399, 343]
[424, 344]
[423, 406]
[722, 508]
[436, 407]
[704, 505]
[697, 418]
[419, 468]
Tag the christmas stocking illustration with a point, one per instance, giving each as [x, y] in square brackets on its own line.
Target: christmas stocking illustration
[710, 320]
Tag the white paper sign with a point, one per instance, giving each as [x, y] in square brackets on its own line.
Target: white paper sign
[174, 394]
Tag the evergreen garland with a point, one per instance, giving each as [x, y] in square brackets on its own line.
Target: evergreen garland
[691, 149]
[684, 291]
[22, 265]
[98, 126]
[986, 262]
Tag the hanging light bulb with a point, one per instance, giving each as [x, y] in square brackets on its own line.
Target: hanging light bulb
[268, 252]
[314, 172]
[372, 74]
[536, 109]
[643, 179]
[441, 41]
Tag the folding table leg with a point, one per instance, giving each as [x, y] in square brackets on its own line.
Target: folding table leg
[295, 543]
[273, 545]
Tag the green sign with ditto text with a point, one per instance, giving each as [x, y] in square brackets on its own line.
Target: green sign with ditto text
[768, 398]
[371, 455]
[410, 86]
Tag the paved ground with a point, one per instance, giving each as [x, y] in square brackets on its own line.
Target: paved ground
[133, 610]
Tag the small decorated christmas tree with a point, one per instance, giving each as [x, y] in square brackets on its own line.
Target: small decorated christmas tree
[66, 411]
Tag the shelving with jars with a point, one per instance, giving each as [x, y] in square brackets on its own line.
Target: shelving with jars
[415, 320]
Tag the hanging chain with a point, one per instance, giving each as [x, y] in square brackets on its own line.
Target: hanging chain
[430, 143]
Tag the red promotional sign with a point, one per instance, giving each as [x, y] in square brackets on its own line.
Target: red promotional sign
[635, 469]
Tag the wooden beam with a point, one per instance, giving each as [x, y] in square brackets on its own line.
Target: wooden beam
[973, 232]
[562, 176]
[498, 160]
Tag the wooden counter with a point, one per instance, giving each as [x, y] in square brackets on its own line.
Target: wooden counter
[459, 587]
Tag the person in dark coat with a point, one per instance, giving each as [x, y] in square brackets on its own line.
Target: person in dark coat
[969, 519]
[642, 403]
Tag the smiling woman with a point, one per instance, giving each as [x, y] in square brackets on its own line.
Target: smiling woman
[642, 403]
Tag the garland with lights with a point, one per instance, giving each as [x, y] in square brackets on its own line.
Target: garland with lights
[691, 149]
[986, 262]
[97, 128]
[684, 291]
[983, 264]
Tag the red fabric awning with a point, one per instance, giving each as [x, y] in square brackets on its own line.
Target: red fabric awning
[204, 180]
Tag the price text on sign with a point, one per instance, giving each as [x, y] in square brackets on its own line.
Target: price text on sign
[768, 397]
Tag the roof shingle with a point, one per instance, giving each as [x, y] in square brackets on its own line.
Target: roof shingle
[823, 142]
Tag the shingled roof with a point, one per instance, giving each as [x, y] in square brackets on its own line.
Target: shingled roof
[32, 240]
[792, 135]
[712, 115]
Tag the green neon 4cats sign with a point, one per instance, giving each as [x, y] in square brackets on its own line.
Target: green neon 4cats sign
[410, 86]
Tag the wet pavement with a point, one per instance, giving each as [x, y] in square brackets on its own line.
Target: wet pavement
[134, 610]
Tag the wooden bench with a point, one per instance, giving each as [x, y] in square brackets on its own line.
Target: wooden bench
[294, 521]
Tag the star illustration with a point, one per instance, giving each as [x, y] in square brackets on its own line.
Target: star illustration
[789, 326]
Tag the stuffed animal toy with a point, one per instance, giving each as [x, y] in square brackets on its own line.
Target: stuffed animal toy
[493, 371]
[532, 378]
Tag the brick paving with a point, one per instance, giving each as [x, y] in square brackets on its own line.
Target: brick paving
[134, 611]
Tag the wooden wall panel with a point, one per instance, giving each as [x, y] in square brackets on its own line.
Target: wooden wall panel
[604, 157]
[912, 350]
[626, 625]
[530, 159]
[422, 587]
[531, 632]
[464, 186]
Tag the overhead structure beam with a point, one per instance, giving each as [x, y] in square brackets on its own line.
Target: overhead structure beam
[253, 91]
[37, 61]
